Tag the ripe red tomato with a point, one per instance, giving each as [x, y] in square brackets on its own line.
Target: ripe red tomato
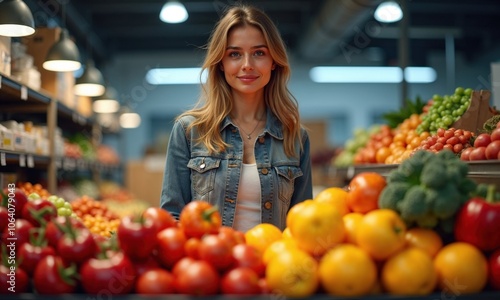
[29, 256]
[77, 247]
[232, 236]
[15, 198]
[247, 256]
[182, 265]
[466, 153]
[216, 251]
[478, 153]
[146, 265]
[162, 218]
[111, 275]
[39, 211]
[170, 246]
[199, 279]
[198, 218]
[492, 150]
[191, 247]
[482, 140]
[47, 277]
[155, 282]
[137, 236]
[52, 232]
[20, 234]
[240, 281]
[364, 191]
[495, 134]
[18, 285]
[494, 269]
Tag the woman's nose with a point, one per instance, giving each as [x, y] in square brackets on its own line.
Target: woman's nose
[247, 63]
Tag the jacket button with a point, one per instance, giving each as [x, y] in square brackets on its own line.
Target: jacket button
[261, 140]
[265, 171]
[268, 205]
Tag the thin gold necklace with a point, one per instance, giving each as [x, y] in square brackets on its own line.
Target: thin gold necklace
[249, 135]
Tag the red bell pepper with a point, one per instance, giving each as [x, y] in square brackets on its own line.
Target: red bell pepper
[478, 222]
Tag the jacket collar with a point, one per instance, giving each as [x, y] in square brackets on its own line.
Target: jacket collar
[273, 125]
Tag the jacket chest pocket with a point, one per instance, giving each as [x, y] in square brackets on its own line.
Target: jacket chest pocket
[286, 180]
[203, 170]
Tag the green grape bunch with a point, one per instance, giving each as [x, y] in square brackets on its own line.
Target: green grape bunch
[445, 110]
[63, 207]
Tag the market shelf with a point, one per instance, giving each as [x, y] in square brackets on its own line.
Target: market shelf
[23, 160]
[487, 295]
[17, 92]
[482, 168]
[81, 164]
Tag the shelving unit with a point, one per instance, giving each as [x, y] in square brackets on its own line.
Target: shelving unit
[26, 104]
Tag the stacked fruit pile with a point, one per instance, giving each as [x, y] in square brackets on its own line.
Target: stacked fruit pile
[428, 127]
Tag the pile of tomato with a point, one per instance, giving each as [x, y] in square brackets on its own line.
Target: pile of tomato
[150, 253]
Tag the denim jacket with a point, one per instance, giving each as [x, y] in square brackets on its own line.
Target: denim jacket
[191, 173]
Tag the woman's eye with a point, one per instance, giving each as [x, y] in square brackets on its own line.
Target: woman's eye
[234, 54]
[259, 53]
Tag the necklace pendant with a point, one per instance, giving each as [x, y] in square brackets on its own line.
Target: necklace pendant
[248, 136]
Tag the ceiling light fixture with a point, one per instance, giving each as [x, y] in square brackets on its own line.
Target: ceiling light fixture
[388, 12]
[160, 76]
[173, 12]
[91, 83]
[106, 103]
[63, 56]
[129, 119]
[372, 74]
[16, 19]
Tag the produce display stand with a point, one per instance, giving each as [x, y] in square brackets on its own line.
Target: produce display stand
[482, 171]
[487, 295]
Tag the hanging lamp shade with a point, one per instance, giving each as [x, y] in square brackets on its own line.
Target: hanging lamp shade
[173, 12]
[91, 83]
[16, 19]
[106, 103]
[63, 56]
[129, 118]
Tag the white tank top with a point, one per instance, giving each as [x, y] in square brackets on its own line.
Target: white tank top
[248, 213]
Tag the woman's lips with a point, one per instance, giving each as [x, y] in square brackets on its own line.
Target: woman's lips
[247, 78]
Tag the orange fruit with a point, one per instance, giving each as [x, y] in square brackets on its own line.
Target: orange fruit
[278, 248]
[462, 269]
[296, 209]
[335, 196]
[262, 235]
[381, 233]
[293, 274]
[287, 234]
[317, 228]
[364, 191]
[351, 224]
[409, 272]
[424, 238]
[347, 271]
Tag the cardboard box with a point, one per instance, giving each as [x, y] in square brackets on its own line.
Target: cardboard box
[478, 112]
[5, 55]
[144, 179]
[57, 84]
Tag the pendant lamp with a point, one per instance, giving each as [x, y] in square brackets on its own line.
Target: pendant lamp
[16, 19]
[106, 103]
[91, 83]
[173, 12]
[129, 118]
[388, 12]
[63, 56]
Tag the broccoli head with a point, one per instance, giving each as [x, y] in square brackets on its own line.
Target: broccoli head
[434, 175]
[457, 170]
[414, 205]
[392, 194]
[396, 176]
[412, 168]
[447, 201]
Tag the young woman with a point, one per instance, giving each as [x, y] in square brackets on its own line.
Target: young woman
[242, 148]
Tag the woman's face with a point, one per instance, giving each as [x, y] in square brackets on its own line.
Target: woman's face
[247, 63]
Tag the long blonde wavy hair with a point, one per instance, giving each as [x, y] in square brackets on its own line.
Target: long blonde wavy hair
[216, 102]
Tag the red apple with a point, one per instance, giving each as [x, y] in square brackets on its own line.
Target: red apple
[478, 154]
[492, 150]
[494, 270]
[482, 140]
